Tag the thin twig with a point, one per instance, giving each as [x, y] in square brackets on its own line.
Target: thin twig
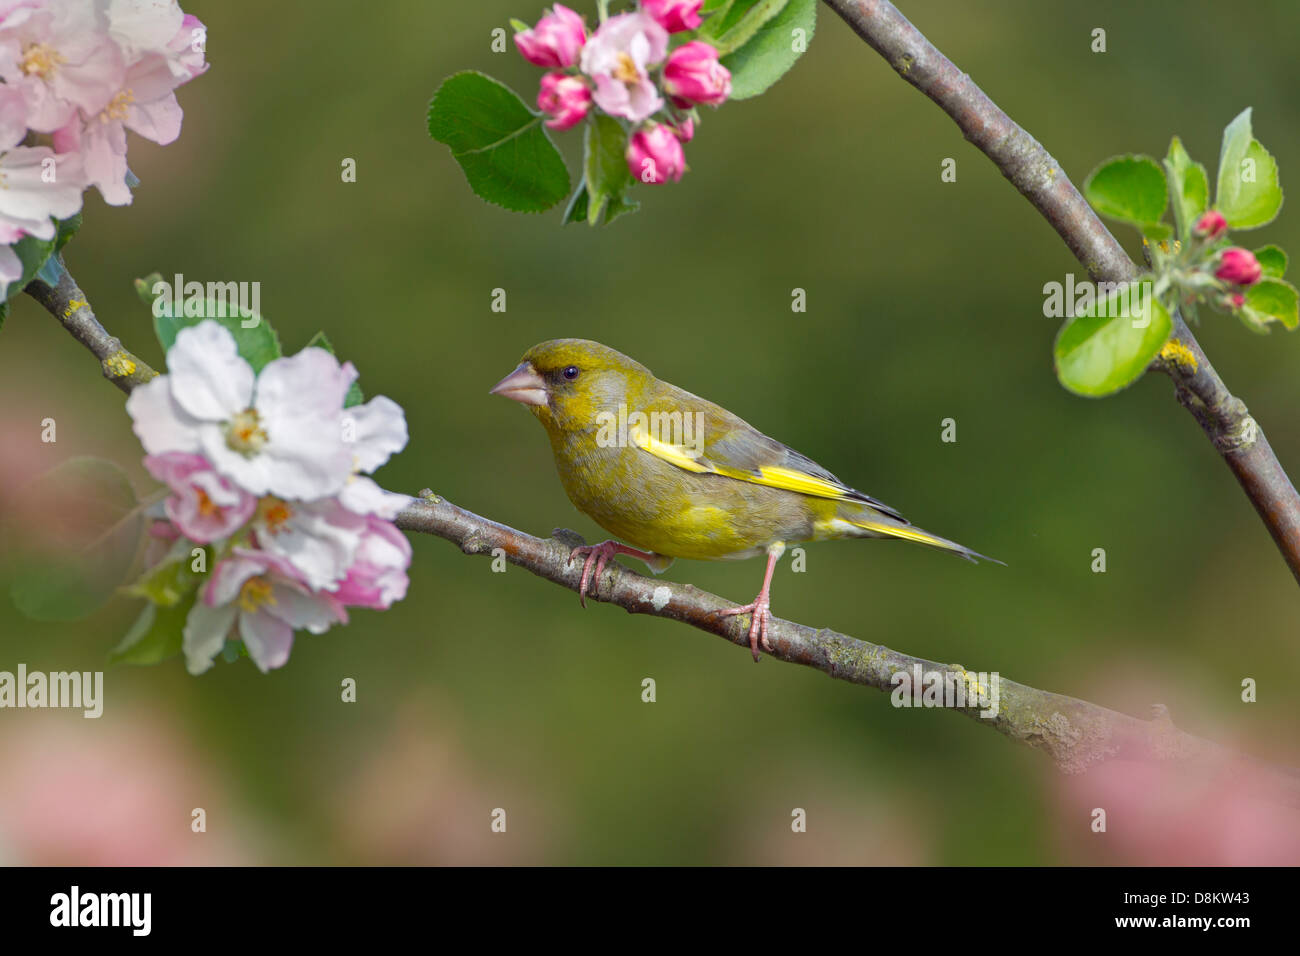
[1031, 169]
[1074, 732]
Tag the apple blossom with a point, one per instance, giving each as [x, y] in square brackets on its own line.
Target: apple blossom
[556, 39]
[377, 577]
[1238, 266]
[674, 16]
[693, 75]
[204, 506]
[617, 58]
[1211, 225]
[566, 99]
[256, 597]
[276, 433]
[59, 56]
[655, 155]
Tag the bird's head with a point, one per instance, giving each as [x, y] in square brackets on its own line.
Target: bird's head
[567, 383]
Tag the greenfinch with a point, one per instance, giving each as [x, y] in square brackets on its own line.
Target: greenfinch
[680, 477]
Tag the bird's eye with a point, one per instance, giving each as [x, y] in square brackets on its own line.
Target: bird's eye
[570, 372]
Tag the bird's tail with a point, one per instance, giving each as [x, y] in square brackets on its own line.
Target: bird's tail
[874, 524]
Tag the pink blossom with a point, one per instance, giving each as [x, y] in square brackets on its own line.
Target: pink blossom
[617, 58]
[556, 39]
[319, 539]
[684, 129]
[258, 598]
[655, 155]
[1238, 266]
[693, 74]
[1211, 225]
[674, 15]
[205, 506]
[377, 577]
[566, 99]
[160, 48]
[60, 57]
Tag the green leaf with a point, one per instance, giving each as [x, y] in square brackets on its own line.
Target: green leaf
[498, 142]
[74, 534]
[144, 288]
[32, 253]
[1272, 300]
[1128, 188]
[1273, 260]
[171, 580]
[605, 165]
[576, 210]
[67, 228]
[773, 50]
[1189, 188]
[257, 343]
[741, 22]
[1110, 346]
[156, 635]
[1248, 193]
[354, 395]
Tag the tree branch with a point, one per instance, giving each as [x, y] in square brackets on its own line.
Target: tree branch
[1032, 170]
[1075, 733]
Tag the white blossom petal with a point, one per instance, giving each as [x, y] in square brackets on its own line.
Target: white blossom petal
[210, 379]
[205, 633]
[158, 421]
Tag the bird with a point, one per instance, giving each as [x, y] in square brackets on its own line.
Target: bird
[677, 476]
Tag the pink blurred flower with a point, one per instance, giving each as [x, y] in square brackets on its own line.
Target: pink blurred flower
[566, 99]
[556, 39]
[655, 154]
[693, 75]
[617, 58]
[674, 15]
[685, 129]
[1238, 266]
[260, 599]
[1211, 225]
[205, 506]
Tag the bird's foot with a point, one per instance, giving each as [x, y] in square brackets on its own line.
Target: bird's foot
[761, 610]
[599, 554]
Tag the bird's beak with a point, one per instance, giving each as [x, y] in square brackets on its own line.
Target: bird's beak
[523, 385]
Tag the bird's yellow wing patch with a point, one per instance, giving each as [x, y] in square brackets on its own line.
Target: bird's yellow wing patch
[673, 454]
[773, 476]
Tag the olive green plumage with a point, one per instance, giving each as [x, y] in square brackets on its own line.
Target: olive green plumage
[733, 494]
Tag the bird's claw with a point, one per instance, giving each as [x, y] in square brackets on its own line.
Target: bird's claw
[600, 555]
[762, 615]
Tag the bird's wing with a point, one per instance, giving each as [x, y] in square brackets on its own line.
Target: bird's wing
[735, 449]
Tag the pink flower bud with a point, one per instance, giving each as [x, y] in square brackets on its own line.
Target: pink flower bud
[655, 155]
[555, 41]
[1238, 266]
[685, 130]
[1237, 300]
[674, 15]
[1210, 226]
[694, 75]
[565, 99]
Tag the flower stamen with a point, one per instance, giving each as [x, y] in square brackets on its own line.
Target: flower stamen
[245, 434]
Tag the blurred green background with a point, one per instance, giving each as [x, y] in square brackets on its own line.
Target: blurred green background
[483, 690]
